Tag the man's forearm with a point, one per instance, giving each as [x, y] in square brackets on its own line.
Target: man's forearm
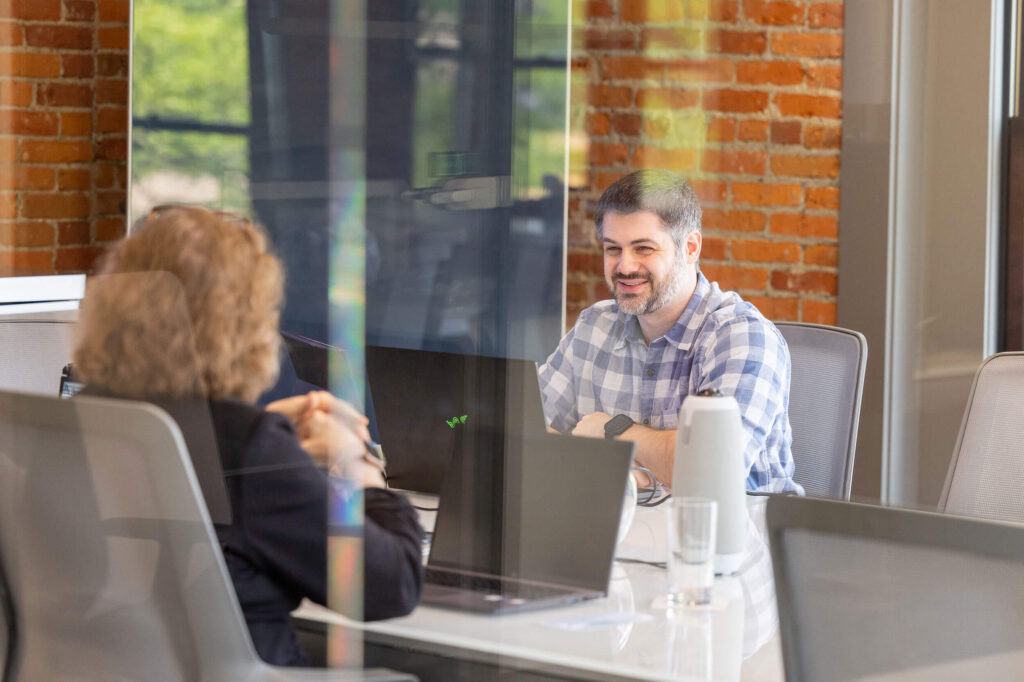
[655, 449]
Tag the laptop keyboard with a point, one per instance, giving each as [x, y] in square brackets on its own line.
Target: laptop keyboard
[507, 588]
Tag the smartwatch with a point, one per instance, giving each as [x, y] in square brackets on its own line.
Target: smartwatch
[617, 425]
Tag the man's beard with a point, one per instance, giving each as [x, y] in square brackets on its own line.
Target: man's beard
[660, 292]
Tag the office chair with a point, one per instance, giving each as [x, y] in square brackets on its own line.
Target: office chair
[33, 352]
[109, 552]
[827, 380]
[880, 593]
[986, 473]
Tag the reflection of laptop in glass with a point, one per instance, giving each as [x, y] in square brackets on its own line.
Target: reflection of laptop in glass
[421, 399]
[526, 522]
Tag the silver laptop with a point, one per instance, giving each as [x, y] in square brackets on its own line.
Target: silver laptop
[526, 521]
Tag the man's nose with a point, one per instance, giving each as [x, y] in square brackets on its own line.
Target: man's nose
[627, 263]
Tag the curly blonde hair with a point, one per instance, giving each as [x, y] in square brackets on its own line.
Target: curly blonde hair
[186, 306]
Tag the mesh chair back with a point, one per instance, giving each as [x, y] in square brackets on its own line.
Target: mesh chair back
[866, 591]
[986, 473]
[32, 355]
[109, 551]
[826, 383]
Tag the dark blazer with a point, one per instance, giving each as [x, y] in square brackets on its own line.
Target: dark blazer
[275, 542]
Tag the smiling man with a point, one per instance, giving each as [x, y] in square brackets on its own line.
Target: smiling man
[623, 370]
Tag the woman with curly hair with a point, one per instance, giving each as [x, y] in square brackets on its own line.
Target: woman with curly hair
[184, 312]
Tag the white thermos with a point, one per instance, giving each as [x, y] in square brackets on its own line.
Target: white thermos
[709, 463]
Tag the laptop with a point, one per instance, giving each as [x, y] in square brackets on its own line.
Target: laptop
[421, 400]
[526, 521]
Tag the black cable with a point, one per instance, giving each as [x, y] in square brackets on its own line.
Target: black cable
[655, 503]
[656, 564]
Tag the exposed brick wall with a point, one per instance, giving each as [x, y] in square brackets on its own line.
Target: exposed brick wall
[743, 97]
[63, 131]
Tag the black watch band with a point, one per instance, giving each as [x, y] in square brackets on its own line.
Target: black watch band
[617, 425]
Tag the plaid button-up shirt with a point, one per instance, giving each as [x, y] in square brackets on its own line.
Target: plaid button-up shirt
[720, 342]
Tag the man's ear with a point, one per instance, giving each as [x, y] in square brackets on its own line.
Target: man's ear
[691, 247]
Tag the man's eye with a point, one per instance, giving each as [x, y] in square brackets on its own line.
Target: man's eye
[612, 250]
[644, 250]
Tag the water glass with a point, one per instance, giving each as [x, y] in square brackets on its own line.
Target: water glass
[691, 550]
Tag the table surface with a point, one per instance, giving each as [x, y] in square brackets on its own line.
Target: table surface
[628, 634]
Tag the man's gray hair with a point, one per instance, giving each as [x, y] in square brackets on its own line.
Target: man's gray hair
[661, 192]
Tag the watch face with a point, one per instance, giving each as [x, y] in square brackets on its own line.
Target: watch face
[616, 425]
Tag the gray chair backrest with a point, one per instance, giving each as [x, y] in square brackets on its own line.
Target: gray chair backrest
[900, 594]
[986, 473]
[109, 552]
[33, 353]
[826, 384]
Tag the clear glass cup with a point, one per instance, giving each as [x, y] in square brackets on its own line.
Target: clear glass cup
[691, 550]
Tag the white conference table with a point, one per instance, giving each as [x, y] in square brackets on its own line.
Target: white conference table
[626, 635]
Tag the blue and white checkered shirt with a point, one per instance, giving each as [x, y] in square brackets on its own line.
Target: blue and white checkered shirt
[720, 342]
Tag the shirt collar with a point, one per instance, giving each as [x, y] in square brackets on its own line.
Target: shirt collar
[683, 332]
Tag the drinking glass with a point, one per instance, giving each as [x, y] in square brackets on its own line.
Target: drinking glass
[691, 550]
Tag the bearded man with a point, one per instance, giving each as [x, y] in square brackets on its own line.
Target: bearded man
[625, 367]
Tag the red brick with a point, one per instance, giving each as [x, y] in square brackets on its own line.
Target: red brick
[64, 95]
[632, 67]
[596, 124]
[23, 122]
[729, 161]
[721, 130]
[109, 229]
[581, 233]
[112, 120]
[651, 11]
[112, 91]
[29, 65]
[26, 234]
[805, 166]
[808, 105]
[825, 77]
[733, 277]
[740, 101]
[753, 131]
[32, 178]
[607, 154]
[801, 225]
[774, 13]
[8, 205]
[604, 179]
[737, 42]
[605, 39]
[74, 178]
[671, 38]
[714, 10]
[825, 15]
[15, 93]
[822, 255]
[55, 205]
[111, 202]
[818, 312]
[112, 64]
[822, 137]
[62, 37]
[786, 132]
[8, 154]
[114, 38]
[76, 259]
[73, 232]
[665, 98]
[627, 124]
[810, 281]
[10, 34]
[77, 65]
[764, 251]
[713, 248]
[28, 260]
[808, 44]
[585, 261]
[778, 309]
[76, 123]
[765, 194]
[699, 70]
[734, 221]
[31, 10]
[598, 9]
[776, 73]
[602, 96]
[115, 11]
[79, 10]
[671, 159]
[657, 125]
[104, 175]
[116, 149]
[710, 191]
[55, 151]
[822, 197]
[577, 291]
